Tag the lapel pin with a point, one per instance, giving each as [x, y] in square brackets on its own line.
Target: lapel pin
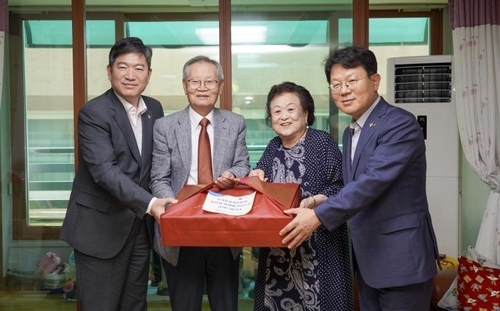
[372, 124]
[149, 116]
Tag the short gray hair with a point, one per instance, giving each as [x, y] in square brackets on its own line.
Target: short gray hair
[202, 59]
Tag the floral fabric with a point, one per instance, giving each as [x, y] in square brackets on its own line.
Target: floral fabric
[476, 74]
[316, 275]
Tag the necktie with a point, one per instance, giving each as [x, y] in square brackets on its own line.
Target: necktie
[204, 155]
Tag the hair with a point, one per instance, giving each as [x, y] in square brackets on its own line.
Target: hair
[202, 59]
[305, 99]
[127, 46]
[351, 57]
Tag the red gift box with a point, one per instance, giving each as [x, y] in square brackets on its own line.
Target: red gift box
[185, 223]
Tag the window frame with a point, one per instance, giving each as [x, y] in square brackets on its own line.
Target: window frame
[436, 24]
[20, 230]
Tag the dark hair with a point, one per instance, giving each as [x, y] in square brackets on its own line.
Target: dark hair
[351, 57]
[130, 45]
[202, 59]
[305, 99]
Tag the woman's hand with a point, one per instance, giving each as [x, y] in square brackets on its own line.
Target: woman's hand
[309, 202]
[259, 173]
[313, 201]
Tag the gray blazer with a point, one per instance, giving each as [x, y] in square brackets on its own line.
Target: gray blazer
[172, 158]
[111, 187]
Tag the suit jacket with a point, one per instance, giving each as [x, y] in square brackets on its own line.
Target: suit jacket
[111, 186]
[172, 157]
[385, 199]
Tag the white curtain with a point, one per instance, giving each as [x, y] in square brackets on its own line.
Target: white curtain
[476, 64]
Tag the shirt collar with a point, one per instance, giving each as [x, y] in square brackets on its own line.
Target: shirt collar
[361, 120]
[141, 107]
[196, 118]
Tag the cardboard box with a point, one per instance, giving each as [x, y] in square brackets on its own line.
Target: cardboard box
[187, 224]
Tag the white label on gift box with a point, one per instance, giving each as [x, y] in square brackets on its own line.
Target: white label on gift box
[228, 204]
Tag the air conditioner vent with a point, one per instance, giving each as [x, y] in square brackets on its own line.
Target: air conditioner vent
[422, 83]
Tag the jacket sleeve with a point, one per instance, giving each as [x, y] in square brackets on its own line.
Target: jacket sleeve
[389, 154]
[106, 155]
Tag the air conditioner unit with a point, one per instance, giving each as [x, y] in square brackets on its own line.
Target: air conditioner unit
[424, 86]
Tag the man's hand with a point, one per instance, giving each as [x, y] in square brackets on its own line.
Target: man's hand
[224, 181]
[159, 207]
[301, 227]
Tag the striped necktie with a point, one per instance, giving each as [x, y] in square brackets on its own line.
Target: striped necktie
[204, 155]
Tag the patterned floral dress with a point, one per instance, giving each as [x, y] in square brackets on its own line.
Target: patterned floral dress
[317, 274]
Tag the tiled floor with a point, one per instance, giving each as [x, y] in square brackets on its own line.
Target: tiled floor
[34, 301]
[24, 297]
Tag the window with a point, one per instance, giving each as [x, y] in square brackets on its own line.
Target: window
[397, 36]
[174, 43]
[294, 41]
[43, 180]
[391, 36]
[285, 48]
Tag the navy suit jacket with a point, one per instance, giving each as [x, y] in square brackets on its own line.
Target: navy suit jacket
[385, 201]
[111, 186]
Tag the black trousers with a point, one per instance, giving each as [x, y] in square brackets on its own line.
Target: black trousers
[156, 266]
[214, 266]
[118, 283]
[413, 297]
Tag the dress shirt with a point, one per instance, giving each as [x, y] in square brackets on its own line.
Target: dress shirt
[357, 126]
[135, 117]
[355, 131]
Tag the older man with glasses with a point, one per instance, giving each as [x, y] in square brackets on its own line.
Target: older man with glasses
[178, 160]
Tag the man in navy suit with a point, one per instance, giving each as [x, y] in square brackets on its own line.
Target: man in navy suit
[384, 197]
[108, 220]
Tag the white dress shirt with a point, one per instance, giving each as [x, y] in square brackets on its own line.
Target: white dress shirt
[357, 126]
[135, 117]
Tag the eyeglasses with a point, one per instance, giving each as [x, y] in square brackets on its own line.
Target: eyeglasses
[196, 84]
[351, 85]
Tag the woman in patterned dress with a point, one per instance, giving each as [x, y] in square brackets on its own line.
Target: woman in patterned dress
[316, 275]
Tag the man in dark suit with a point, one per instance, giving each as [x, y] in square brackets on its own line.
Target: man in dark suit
[175, 159]
[106, 220]
[384, 197]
